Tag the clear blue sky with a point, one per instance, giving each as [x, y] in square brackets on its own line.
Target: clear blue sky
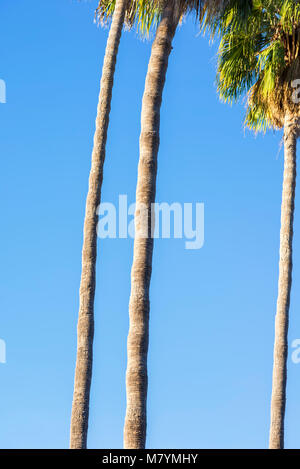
[212, 310]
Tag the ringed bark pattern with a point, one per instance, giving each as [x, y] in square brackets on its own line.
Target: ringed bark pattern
[278, 402]
[85, 328]
[139, 306]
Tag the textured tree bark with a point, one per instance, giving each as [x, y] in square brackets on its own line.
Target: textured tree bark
[291, 133]
[85, 330]
[137, 346]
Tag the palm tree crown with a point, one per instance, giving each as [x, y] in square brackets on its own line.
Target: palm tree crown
[146, 14]
[260, 55]
[143, 14]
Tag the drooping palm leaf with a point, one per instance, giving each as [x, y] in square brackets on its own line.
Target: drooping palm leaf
[259, 56]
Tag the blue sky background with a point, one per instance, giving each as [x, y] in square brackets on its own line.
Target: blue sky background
[212, 310]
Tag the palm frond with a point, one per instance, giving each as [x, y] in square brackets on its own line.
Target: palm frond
[143, 14]
[258, 57]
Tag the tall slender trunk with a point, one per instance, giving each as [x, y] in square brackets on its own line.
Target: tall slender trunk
[85, 330]
[291, 132]
[136, 376]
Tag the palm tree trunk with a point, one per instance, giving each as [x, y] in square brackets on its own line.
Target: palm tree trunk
[137, 346]
[291, 132]
[83, 372]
